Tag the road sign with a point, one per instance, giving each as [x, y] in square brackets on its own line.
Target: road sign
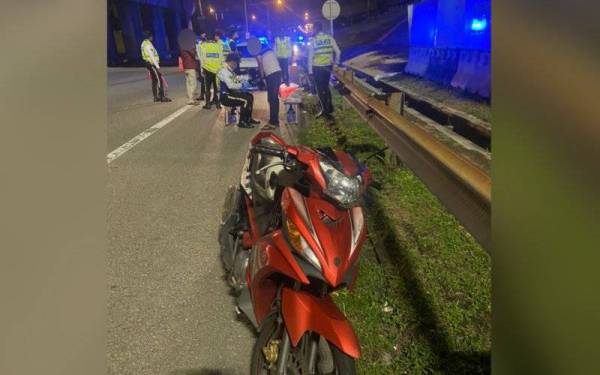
[331, 9]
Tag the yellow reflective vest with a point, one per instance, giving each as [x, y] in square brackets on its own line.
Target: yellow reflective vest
[323, 50]
[226, 47]
[149, 52]
[211, 56]
[283, 47]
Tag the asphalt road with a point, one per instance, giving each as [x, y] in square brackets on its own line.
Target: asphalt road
[170, 311]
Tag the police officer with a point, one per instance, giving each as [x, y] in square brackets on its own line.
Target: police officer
[152, 61]
[199, 75]
[234, 36]
[323, 52]
[211, 58]
[232, 91]
[283, 49]
[223, 40]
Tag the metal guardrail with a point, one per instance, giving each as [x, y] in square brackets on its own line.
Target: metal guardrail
[461, 186]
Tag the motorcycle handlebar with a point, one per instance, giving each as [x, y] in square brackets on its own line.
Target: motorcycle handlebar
[269, 150]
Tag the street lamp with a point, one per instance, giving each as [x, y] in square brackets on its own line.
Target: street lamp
[280, 2]
[211, 10]
[253, 17]
[306, 15]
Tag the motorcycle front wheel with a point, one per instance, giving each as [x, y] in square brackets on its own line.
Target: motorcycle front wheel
[330, 360]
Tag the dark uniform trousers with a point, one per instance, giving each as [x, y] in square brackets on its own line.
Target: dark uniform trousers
[284, 64]
[157, 85]
[201, 82]
[273, 82]
[210, 79]
[322, 74]
[244, 100]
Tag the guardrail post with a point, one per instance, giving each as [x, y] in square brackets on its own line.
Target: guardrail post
[396, 102]
[402, 101]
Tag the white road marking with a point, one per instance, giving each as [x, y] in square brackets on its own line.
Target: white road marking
[145, 134]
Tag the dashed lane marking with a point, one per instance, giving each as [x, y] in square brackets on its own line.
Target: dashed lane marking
[145, 134]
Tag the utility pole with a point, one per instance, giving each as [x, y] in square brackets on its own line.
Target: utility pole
[200, 8]
[331, 19]
[268, 19]
[246, 17]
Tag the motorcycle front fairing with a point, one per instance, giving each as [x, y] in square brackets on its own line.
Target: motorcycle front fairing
[303, 312]
[270, 256]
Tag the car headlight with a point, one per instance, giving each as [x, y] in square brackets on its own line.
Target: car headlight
[300, 244]
[343, 189]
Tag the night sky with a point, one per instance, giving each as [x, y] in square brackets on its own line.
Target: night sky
[290, 14]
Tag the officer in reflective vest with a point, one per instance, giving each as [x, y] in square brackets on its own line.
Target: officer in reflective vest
[323, 52]
[283, 50]
[211, 59]
[221, 39]
[233, 93]
[152, 61]
[199, 40]
[233, 40]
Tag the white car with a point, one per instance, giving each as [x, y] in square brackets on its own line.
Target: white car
[247, 61]
[249, 65]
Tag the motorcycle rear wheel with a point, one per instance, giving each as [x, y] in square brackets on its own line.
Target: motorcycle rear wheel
[298, 358]
[229, 218]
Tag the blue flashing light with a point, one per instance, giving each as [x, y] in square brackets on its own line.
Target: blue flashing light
[263, 40]
[478, 24]
[300, 38]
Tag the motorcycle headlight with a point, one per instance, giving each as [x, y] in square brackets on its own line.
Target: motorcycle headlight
[343, 189]
[300, 244]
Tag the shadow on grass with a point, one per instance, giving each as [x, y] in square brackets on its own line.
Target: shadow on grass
[428, 325]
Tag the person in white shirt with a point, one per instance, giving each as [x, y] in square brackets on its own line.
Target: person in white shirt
[270, 71]
[152, 61]
[232, 91]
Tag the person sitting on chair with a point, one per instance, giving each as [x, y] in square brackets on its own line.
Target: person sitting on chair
[234, 92]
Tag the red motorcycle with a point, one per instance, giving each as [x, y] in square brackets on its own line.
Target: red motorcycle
[291, 235]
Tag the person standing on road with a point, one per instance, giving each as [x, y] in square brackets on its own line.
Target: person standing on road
[232, 91]
[234, 36]
[219, 38]
[283, 48]
[270, 71]
[323, 52]
[152, 61]
[199, 75]
[190, 64]
[211, 59]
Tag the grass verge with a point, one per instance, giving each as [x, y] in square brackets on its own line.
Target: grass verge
[422, 302]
